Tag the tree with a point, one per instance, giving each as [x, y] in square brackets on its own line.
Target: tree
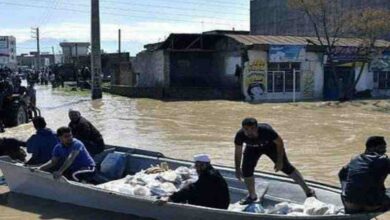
[329, 23]
[369, 25]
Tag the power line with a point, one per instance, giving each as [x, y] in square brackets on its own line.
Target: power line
[170, 7]
[201, 3]
[50, 13]
[158, 12]
[116, 14]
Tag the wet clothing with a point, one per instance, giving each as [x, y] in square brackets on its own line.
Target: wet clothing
[211, 190]
[363, 180]
[82, 161]
[88, 134]
[41, 146]
[12, 148]
[256, 147]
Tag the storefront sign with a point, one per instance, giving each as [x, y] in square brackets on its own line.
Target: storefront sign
[381, 63]
[254, 80]
[345, 54]
[286, 53]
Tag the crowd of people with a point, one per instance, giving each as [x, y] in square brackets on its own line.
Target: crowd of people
[71, 150]
[45, 76]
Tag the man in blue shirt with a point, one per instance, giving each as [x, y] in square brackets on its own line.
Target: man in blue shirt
[41, 144]
[72, 158]
[363, 179]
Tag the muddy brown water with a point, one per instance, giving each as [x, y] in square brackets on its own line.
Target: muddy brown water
[320, 137]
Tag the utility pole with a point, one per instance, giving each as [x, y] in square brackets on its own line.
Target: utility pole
[35, 32]
[119, 41]
[96, 62]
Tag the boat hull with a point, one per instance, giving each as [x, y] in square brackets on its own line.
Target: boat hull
[23, 180]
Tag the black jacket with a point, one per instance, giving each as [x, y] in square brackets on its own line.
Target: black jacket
[211, 190]
[363, 179]
[85, 131]
[12, 147]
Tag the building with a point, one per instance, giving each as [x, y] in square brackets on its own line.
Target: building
[72, 51]
[277, 18]
[260, 67]
[8, 52]
[31, 60]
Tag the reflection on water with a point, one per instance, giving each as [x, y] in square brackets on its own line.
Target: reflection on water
[319, 137]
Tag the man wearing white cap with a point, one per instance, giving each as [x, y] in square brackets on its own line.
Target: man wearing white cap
[211, 189]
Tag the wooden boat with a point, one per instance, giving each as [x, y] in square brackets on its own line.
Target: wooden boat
[24, 180]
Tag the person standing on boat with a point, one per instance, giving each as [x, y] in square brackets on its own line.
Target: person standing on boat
[261, 139]
[41, 144]
[363, 179]
[70, 158]
[83, 130]
[210, 190]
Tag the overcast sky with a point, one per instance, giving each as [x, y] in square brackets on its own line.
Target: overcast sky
[141, 21]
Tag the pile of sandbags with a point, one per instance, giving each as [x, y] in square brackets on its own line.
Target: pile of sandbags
[155, 181]
[311, 207]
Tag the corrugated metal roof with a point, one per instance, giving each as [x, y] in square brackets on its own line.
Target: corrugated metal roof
[250, 40]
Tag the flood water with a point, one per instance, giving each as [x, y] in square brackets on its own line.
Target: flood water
[320, 137]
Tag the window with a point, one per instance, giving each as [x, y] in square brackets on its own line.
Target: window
[382, 79]
[281, 77]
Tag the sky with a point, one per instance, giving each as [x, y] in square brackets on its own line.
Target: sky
[141, 21]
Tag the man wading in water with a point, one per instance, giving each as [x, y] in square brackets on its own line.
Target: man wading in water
[262, 139]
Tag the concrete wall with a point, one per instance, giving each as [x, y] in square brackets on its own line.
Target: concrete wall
[366, 81]
[152, 69]
[276, 18]
[226, 58]
[311, 80]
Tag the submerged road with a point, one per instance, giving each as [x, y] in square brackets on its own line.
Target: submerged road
[320, 137]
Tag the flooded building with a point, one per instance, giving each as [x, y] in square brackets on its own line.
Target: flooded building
[272, 62]
[31, 60]
[72, 51]
[8, 52]
[277, 18]
[231, 65]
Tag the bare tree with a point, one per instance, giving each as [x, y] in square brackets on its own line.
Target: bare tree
[329, 23]
[369, 25]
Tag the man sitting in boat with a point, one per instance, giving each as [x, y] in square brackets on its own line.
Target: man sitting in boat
[262, 139]
[41, 144]
[211, 189]
[83, 130]
[70, 158]
[13, 148]
[363, 179]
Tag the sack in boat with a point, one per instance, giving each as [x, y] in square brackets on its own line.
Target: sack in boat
[254, 208]
[163, 189]
[141, 191]
[125, 189]
[184, 172]
[169, 176]
[315, 207]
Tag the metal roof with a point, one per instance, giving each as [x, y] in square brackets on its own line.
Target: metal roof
[250, 40]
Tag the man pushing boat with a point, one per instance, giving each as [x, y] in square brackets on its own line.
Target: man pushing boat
[70, 158]
[261, 139]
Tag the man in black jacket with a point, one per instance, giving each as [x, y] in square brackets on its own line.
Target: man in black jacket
[363, 179]
[12, 147]
[84, 131]
[211, 189]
